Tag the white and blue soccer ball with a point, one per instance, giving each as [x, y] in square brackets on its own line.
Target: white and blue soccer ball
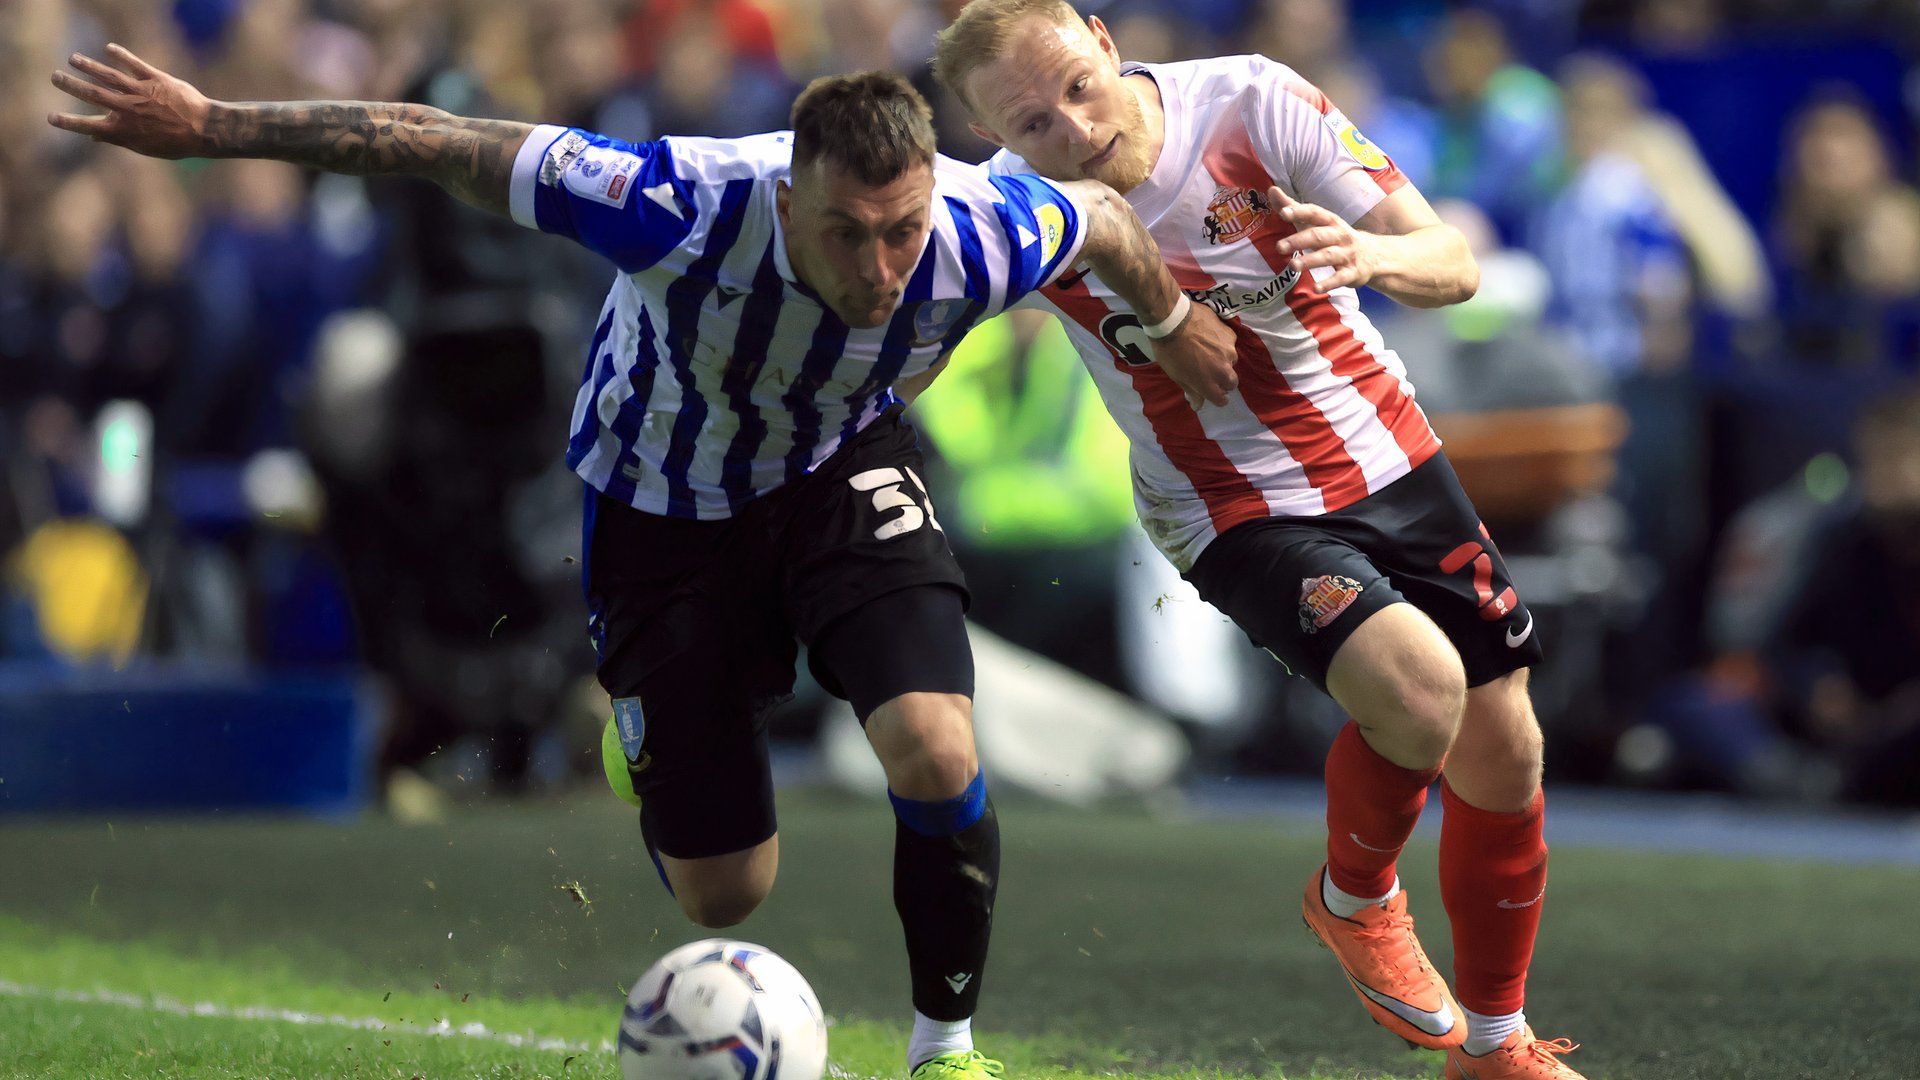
[722, 1010]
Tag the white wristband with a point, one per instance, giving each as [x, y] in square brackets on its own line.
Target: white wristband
[1173, 320]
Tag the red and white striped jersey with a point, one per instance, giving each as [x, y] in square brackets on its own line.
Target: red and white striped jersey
[1324, 415]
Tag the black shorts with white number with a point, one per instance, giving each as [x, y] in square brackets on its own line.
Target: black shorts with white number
[1299, 586]
[698, 621]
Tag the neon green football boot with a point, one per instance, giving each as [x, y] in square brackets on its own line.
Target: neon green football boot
[619, 768]
[959, 1065]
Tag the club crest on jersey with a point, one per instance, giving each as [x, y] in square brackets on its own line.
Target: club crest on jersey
[1323, 598]
[1232, 214]
[934, 319]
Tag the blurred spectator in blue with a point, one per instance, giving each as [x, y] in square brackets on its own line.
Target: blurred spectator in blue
[1814, 684]
[1848, 242]
[266, 274]
[1623, 289]
[110, 309]
[1622, 279]
[1500, 121]
[1634, 228]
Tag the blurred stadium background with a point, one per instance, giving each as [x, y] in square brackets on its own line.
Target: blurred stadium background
[284, 526]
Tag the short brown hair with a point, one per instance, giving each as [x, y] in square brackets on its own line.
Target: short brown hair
[982, 31]
[872, 124]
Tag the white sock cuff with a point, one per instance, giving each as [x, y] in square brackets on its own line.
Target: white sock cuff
[932, 1037]
[1345, 904]
[1485, 1034]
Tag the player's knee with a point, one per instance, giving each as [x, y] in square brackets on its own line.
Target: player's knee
[925, 742]
[1425, 696]
[1401, 679]
[940, 767]
[1434, 697]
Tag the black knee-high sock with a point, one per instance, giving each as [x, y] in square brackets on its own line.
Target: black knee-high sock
[946, 870]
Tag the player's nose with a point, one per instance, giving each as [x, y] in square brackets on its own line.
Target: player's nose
[1080, 129]
[873, 269]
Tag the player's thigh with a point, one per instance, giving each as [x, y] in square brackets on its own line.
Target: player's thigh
[1398, 672]
[1426, 535]
[693, 651]
[1297, 591]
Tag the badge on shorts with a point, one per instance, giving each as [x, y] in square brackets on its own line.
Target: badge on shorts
[1322, 599]
[632, 725]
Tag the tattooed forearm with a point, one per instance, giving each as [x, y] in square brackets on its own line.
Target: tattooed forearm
[1122, 253]
[472, 159]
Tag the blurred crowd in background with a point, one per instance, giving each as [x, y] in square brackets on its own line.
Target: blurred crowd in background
[254, 419]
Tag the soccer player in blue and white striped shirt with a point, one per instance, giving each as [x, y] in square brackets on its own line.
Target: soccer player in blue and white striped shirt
[749, 479]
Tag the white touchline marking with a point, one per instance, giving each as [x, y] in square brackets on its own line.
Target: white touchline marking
[205, 1009]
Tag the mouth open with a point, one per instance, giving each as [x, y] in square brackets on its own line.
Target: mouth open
[1103, 156]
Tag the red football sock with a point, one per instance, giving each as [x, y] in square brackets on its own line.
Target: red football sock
[1372, 805]
[1493, 880]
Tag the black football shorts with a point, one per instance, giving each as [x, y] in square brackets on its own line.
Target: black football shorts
[1299, 586]
[695, 625]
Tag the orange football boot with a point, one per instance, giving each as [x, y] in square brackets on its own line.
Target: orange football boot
[1521, 1057]
[1388, 969]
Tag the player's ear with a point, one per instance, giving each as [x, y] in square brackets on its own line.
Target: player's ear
[1103, 38]
[783, 203]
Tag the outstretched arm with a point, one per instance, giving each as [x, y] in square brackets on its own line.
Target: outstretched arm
[157, 114]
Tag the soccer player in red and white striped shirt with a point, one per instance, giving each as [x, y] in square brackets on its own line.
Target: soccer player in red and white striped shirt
[1315, 508]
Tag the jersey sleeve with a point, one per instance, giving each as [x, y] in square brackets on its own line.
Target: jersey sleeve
[1311, 146]
[617, 198]
[1042, 228]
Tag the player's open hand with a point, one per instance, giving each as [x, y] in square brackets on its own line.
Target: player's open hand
[1199, 355]
[1322, 238]
[148, 110]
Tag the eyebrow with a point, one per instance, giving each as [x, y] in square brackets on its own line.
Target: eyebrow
[851, 220]
[1074, 68]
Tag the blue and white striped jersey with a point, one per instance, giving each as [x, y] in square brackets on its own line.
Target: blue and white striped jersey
[714, 375]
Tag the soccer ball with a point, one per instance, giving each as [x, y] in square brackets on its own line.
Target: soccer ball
[722, 1010]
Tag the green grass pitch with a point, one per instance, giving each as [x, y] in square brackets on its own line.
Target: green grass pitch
[1123, 945]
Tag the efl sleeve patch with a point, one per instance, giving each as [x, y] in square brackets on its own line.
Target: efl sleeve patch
[603, 174]
[1363, 150]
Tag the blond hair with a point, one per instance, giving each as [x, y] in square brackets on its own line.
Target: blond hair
[982, 32]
